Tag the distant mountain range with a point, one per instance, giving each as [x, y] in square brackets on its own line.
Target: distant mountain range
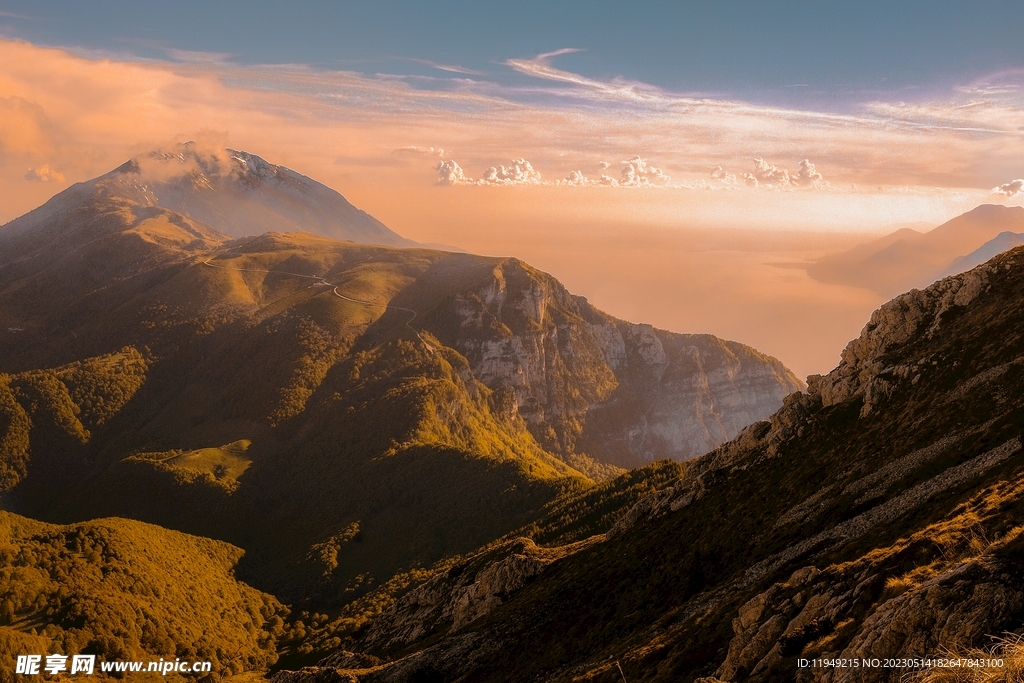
[1004, 241]
[907, 259]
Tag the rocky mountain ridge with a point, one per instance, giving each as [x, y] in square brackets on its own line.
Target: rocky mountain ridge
[583, 381]
[877, 515]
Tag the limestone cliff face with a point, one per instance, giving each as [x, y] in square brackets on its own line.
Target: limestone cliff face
[585, 382]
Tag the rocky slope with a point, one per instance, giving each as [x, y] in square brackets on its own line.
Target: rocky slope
[877, 515]
[585, 382]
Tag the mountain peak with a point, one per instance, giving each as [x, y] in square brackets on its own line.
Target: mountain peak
[231, 191]
[992, 209]
[212, 162]
[254, 165]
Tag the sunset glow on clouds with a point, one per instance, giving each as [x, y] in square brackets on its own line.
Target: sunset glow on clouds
[665, 206]
[78, 116]
[1010, 189]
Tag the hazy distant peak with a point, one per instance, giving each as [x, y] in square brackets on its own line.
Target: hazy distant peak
[991, 209]
[907, 259]
[1004, 241]
[240, 194]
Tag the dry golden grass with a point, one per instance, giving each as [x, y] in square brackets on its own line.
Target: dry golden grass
[1002, 663]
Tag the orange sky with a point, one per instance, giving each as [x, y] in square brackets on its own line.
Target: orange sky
[67, 117]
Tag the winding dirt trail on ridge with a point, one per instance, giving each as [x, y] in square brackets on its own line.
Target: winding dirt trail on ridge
[322, 282]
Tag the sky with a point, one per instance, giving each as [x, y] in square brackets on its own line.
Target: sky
[553, 130]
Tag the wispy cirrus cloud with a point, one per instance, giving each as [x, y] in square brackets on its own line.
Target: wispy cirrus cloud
[617, 90]
[419, 151]
[451, 68]
[197, 57]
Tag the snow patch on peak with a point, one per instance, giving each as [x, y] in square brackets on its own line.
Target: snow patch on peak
[252, 165]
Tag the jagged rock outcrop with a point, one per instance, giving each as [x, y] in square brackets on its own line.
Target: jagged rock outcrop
[316, 674]
[585, 382]
[461, 595]
[962, 605]
[918, 313]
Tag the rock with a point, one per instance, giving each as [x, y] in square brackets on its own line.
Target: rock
[343, 659]
[453, 600]
[961, 606]
[619, 392]
[315, 674]
[918, 312]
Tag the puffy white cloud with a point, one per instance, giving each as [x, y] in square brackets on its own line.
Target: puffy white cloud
[637, 172]
[721, 174]
[771, 175]
[1010, 189]
[450, 173]
[808, 176]
[575, 178]
[44, 174]
[519, 172]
